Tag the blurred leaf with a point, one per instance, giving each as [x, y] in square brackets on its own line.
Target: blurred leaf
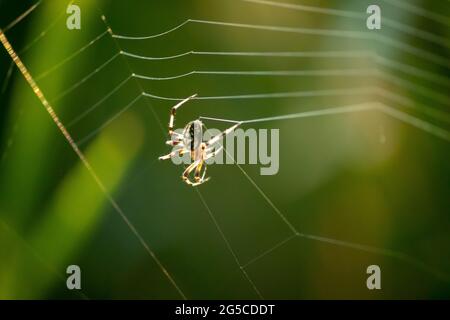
[75, 210]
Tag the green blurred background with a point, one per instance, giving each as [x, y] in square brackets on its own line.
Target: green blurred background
[365, 178]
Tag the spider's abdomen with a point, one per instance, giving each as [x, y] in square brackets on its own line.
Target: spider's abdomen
[193, 136]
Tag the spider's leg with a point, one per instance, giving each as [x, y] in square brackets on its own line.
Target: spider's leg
[202, 178]
[198, 170]
[210, 154]
[173, 111]
[216, 138]
[188, 170]
[174, 153]
[197, 165]
[176, 135]
[175, 142]
[175, 139]
[199, 180]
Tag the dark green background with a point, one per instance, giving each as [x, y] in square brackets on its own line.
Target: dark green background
[337, 179]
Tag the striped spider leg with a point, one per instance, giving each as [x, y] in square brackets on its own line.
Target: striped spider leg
[176, 139]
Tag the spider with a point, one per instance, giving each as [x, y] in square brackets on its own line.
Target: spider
[191, 140]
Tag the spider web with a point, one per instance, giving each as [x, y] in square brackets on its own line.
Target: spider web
[380, 84]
